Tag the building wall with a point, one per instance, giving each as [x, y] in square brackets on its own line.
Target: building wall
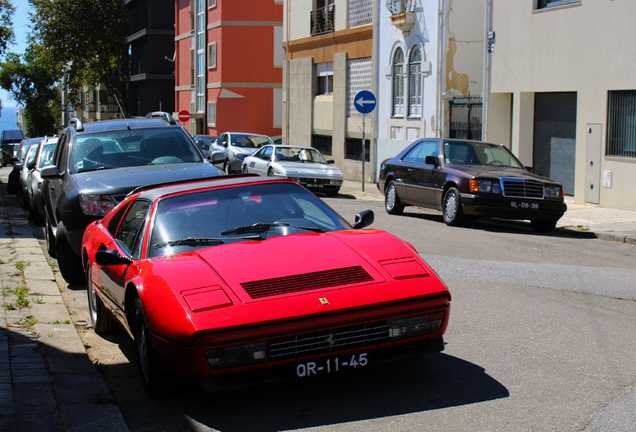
[245, 82]
[554, 50]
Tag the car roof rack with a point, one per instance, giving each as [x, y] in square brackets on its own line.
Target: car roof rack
[77, 124]
[162, 115]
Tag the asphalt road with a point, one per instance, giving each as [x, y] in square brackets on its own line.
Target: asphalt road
[541, 337]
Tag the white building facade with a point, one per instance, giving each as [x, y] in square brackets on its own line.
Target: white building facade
[563, 94]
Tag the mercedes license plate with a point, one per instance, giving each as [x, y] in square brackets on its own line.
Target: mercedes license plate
[524, 205]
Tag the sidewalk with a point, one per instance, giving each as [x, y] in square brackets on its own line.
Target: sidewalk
[47, 382]
[584, 219]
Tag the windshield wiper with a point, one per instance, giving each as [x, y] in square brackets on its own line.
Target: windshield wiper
[189, 241]
[260, 227]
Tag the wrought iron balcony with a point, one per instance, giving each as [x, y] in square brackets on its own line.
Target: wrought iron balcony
[322, 20]
[400, 6]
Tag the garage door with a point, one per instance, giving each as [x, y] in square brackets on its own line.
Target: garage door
[554, 148]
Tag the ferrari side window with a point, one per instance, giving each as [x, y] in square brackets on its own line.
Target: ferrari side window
[116, 219]
[131, 228]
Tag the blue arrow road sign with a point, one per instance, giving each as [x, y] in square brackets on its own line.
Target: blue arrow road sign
[364, 101]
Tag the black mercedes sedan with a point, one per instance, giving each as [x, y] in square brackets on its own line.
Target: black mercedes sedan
[469, 178]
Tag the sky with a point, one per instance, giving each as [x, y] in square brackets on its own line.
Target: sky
[20, 28]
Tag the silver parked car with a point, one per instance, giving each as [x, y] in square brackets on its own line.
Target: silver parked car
[305, 165]
[34, 198]
[238, 145]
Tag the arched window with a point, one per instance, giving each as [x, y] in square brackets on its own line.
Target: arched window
[398, 83]
[415, 82]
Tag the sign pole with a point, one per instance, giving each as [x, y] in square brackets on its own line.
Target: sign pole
[363, 151]
[364, 102]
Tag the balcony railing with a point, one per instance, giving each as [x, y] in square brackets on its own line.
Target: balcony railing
[322, 20]
[400, 6]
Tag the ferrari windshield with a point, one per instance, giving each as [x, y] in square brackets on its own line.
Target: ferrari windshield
[241, 213]
[479, 153]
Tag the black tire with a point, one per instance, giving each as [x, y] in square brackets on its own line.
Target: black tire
[226, 167]
[102, 321]
[35, 217]
[392, 203]
[152, 376]
[70, 265]
[50, 238]
[543, 226]
[270, 173]
[453, 213]
[245, 171]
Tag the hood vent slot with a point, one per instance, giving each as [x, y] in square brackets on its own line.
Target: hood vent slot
[306, 282]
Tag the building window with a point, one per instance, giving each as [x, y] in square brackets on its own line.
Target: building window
[212, 55]
[211, 4]
[200, 59]
[324, 73]
[353, 149]
[212, 114]
[621, 124]
[323, 143]
[398, 83]
[360, 12]
[359, 77]
[542, 4]
[415, 82]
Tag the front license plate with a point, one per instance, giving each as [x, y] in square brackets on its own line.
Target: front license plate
[524, 205]
[331, 365]
[314, 185]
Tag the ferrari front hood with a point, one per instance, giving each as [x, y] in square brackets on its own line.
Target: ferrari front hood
[297, 264]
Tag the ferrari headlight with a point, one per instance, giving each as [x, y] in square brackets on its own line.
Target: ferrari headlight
[237, 355]
[417, 325]
[96, 205]
[552, 191]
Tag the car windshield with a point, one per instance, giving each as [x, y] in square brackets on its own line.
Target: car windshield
[45, 155]
[119, 149]
[235, 214]
[249, 141]
[478, 153]
[298, 154]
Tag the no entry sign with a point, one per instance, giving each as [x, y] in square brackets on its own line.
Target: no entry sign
[184, 116]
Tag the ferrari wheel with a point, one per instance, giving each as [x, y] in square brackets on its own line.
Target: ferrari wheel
[102, 322]
[152, 376]
[70, 265]
[270, 173]
[452, 208]
[392, 202]
[50, 238]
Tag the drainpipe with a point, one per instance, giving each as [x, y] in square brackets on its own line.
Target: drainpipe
[287, 68]
[376, 88]
[441, 67]
[488, 47]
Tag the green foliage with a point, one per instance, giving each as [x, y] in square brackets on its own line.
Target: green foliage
[6, 28]
[84, 40]
[32, 85]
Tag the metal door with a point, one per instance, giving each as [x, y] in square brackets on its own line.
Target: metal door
[593, 163]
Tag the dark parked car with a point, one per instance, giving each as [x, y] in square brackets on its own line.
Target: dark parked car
[33, 196]
[204, 142]
[469, 178]
[94, 167]
[13, 183]
[9, 142]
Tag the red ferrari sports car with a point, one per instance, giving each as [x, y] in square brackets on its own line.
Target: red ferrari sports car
[245, 279]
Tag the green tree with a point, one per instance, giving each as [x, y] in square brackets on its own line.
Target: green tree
[32, 86]
[84, 39]
[6, 27]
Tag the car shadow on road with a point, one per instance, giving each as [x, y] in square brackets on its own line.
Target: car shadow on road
[499, 225]
[406, 387]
